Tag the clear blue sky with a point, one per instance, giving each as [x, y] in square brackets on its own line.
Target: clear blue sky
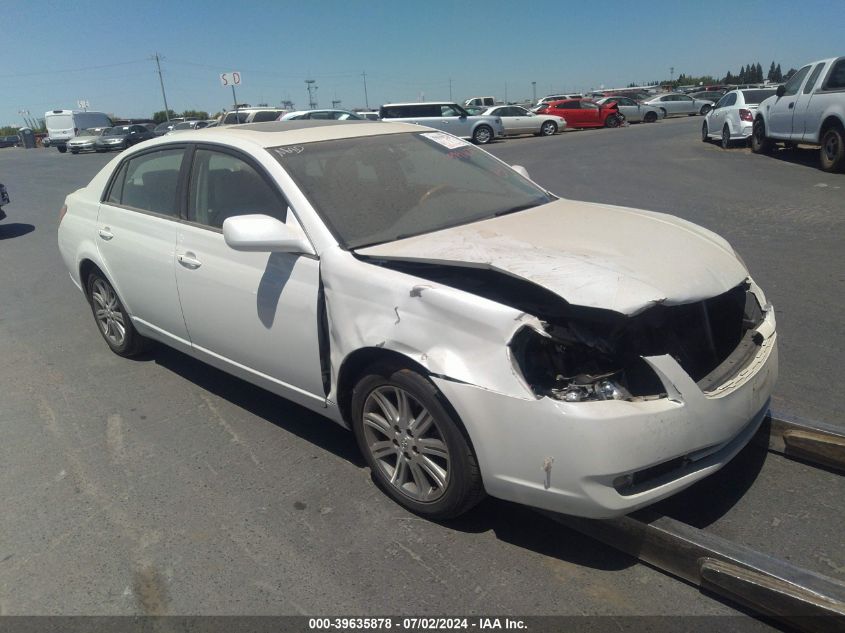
[56, 52]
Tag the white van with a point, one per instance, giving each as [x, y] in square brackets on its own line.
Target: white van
[480, 101]
[63, 125]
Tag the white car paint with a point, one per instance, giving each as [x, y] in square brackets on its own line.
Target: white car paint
[673, 104]
[517, 120]
[734, 111]
[256, 315]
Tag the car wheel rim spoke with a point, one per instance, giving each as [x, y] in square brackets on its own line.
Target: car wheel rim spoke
[406, 443]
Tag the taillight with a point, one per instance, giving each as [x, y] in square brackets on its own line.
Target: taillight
[745, 115]
[62, 212]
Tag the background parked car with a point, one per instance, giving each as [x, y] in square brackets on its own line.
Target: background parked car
[732, 118]
[518, 120]
[672, 104]
[708, 95]
[121, 137]
[447, 116]
[633, 110]
[326, 115]
[580, 113]
[251, 115]
[10, 141]
[188, 125]
[809, 108]
[63, 125]
[550, 98]
[85, 141]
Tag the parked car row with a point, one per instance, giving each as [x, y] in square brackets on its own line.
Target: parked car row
[809, 109]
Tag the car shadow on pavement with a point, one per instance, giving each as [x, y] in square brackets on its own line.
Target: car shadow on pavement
[708, 500]
[278, 411]
[16, 229]
[804, 156]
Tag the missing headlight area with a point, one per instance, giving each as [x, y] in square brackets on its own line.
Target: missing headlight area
[594, 354]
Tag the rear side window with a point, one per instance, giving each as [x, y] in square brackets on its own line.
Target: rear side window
[235, 117]
[836, 80]
[149, 182]
[223, 186]
[260, 117]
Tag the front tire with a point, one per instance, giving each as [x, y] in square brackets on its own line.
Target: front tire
[704, 133]
[759, 143]
[62, 148]
[650, 117]
[705, 109]
[74, 151]
[415, 448]
[482, 135]
[832, 151]
[549, 128]
[112, 320]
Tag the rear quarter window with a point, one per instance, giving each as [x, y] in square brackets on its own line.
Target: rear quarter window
[836, 79]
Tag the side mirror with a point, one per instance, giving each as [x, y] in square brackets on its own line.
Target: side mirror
[780, 91]
[521, 171]
[262, 233]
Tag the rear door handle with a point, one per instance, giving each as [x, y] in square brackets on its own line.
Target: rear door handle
[105, 233]
[189, 262]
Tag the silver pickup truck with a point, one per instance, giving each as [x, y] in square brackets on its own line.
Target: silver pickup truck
[808, 109]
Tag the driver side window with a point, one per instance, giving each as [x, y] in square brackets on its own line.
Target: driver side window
[791, 87]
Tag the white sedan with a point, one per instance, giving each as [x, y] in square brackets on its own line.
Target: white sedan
[517, 120]
[732, 118]
[476, 332]
[672, 104]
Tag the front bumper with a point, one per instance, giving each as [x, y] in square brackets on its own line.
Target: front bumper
[110, 146]
[571, 457]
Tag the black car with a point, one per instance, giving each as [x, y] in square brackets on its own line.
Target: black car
[121, 137]
[4, 199]
[9, 141]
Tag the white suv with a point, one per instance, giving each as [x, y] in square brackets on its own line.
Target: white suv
[446, 116]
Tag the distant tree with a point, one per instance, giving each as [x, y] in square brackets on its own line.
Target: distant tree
[789, 73]
[778, 74]
[770, 76]
[161, 117]
[759, 73]
[194, 114]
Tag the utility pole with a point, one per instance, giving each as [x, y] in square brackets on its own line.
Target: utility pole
[161, 81]
[450, 88]
[310, 84]
[506, 92]
[366, 98]
[335, 103]
[534, 91]
[671, 74]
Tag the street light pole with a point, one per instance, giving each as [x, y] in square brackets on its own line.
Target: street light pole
[161, 81]
[534, 91]
[366, 98]
[309, 83]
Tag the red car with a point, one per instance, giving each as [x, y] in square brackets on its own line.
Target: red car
[584, 113]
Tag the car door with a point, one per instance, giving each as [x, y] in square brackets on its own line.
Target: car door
[250, 313]
[801, 112]
[591, 114]
[779, 116]
[136, 239]
[719, 114]
[629, 108]
[524, 121]
[571, 111]
[451, 121]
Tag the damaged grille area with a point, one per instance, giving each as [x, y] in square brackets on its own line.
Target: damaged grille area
[595, 354]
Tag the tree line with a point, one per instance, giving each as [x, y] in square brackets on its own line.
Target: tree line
[750, 74]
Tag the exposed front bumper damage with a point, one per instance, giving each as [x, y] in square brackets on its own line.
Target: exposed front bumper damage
[605, 458]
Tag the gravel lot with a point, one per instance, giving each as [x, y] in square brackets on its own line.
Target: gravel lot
[162, 486]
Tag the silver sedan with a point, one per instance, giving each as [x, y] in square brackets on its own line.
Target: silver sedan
[671, 104]
[518, 120]
[633, 110]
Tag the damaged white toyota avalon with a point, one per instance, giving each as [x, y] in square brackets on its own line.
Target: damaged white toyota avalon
[477, 333]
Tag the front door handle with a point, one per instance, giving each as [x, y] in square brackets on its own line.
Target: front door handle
[791, 105]
[189, 262]
[105, 233]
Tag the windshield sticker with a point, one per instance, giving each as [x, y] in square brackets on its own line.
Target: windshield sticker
[289, 149]
[446, 140]
[464, 152]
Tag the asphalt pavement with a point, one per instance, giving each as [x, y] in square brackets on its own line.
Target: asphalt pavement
[162, 486]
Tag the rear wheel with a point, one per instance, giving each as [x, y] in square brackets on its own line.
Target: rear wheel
[726, 137]
[482, 135]
[62, 148]
[832, 152]
[112, 321]
[759, 143]
[415, 448]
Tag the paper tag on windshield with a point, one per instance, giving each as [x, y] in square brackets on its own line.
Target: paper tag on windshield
[446, 140]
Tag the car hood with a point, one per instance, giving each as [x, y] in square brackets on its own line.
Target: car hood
[82, 139]
[590, 255]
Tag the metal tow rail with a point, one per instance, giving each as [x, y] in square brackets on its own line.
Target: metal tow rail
[816, 442]
[797, 597]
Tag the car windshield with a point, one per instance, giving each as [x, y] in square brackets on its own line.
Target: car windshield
[370, 190]
[163, 126]
[757, 96]
[186, 125]
[91, 131]
[116, 131]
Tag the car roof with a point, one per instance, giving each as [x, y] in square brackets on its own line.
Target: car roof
[416, 103]
[275, 133]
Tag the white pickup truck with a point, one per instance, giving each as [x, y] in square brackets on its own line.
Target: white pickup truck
[809, 109]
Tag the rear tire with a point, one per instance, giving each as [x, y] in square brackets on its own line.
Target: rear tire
[111, 318]
[482, 135]
[62, 149]
[422, 446]
[759, 143]
[726, 137]
[832, 151]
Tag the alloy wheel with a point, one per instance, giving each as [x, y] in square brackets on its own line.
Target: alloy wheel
[108, 313]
